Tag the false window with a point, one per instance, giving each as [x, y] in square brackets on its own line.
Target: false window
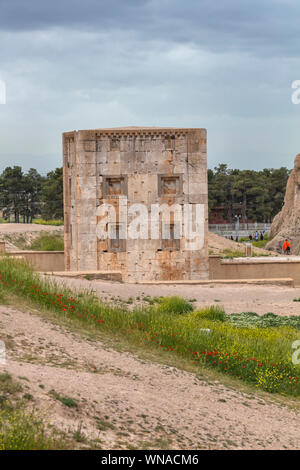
[169, 185]
[117, 241]
[171, 237]
[114, 186]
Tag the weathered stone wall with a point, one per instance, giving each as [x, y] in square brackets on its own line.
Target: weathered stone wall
[111, 165]
[265, 268]
[46, 261]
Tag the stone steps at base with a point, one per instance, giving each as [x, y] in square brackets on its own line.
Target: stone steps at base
[89, 275]
[275, 282]
[117, 276]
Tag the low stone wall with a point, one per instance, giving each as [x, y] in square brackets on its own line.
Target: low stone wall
[219, 269]
[255, 268]
[43, 260]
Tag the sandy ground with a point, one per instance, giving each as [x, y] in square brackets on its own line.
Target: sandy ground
[25, 228]
[234, 298]
[143, 404]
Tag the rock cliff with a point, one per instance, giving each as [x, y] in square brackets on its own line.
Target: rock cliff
[286, 224]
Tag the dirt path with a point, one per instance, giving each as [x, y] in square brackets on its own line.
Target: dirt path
[25, 228]
[235, 299]
[125, 402]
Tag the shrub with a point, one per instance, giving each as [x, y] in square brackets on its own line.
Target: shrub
[67, 401]
[48, 242]
[23, 430]
[174, 305]
[252, 320]
[211, 313]
[48, 222]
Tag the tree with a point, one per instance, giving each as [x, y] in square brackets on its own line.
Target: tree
[32, 198]
[20, 193]
[255, 195]
[12, 192]
[52, 195]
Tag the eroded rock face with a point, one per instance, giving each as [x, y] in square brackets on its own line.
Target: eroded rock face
[286, 224]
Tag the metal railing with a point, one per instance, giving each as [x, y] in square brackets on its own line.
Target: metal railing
[251, 227]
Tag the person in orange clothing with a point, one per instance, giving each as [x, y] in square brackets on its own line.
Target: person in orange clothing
[286, 247]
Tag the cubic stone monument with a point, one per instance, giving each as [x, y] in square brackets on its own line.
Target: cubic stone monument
[142, 173]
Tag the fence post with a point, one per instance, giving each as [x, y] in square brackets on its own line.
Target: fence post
[248, 250]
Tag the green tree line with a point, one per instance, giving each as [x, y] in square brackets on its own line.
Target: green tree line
[254, 195]
[25, 196]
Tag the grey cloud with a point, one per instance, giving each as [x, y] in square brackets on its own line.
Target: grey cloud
[227, 66]
[264, 27]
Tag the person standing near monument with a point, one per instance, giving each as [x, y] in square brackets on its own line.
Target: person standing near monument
[286, 247]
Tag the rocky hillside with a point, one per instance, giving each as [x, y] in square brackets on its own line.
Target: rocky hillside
[286, 224]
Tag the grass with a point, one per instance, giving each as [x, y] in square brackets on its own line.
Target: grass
[252, 320]
[213, 313]
[256, 355]
[78, 435]
[104, 425]
[48, 222]
[230, 254]
[259, 243]
[8, 386]
[21, 429]
[174, 305]
[67, 401]
[47, 242]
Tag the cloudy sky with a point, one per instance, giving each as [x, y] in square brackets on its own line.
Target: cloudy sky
[227, 66]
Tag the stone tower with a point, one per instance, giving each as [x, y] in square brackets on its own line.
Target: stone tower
[142, 174]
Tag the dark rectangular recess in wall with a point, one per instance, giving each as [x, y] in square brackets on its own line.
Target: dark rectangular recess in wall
[114, 186]
[170, 185]
[117, 241]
